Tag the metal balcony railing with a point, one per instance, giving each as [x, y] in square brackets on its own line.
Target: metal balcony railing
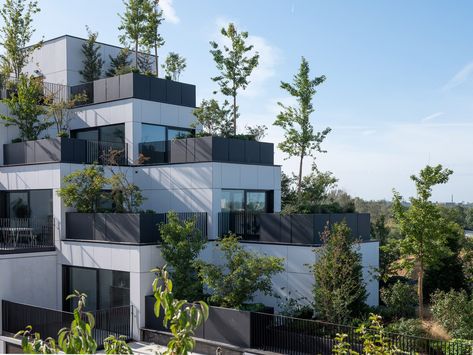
[26, 234]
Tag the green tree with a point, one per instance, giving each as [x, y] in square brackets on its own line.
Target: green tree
[134, 24]
[235, 63]
[60, 111]
[152, 37]
[214, 119]
[83, 189]
[424, 231]
[15, 35]
[244, 273]
[25, 110]
[299, 137]
[174, 65]
[400, 300]
[182, 244]
[119, 65]
[180, 317]
[339, 291]
[92, 58]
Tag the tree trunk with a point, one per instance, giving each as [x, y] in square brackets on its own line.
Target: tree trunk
[234, 116]
[300, 174]
[420, 290]
[136, 54]
[156, 59]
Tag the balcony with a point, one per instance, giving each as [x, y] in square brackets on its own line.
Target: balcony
[47, 322]
[290, 229]
[127, 228]
[62, 150]
[26, 235]
[208, 149]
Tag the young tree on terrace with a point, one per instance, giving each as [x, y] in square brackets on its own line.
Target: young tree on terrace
[152, 37]
[121, 64]
[134, 25]
[424, 231]
[235, 63]
[92, 58]
[16, 33]
[174, 65]
[300, 138]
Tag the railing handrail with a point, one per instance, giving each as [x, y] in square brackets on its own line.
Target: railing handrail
[61, 311]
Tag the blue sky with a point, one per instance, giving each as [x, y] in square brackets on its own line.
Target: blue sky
[399, 77]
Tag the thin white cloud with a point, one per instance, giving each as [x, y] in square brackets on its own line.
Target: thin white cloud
[269, 57]
[459, 78]
[368, 132]
[169, 12]
[432, 116]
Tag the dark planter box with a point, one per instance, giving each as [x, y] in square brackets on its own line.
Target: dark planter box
[14, 153]
[178, 151]
[80, 225]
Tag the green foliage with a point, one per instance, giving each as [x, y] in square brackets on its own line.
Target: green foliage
[424, 231]
[374, 340]
[126, 195]
[180, 317]
[400, 300]
[453, 310]
[134, 22]
[15, 35]
[151, 37]
[235, 64]
[31, 343]
[83, 188]
[174, 65]
[459, 347]
[339, 291]
[121, 64]
[92, 61]
[215, 119]
[410, 327]
[258, 132]
[112, 345]
[182, 244]
[60, 111]
[25, 110]
[299, 137]
[244, 273]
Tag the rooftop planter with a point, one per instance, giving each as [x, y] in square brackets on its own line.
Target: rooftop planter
[134, 228]
[225, 325]
[139, 86]
[292, 228]
[64, 150]
[209, 149]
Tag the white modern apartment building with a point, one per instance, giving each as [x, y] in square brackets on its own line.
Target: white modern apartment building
[47, 250]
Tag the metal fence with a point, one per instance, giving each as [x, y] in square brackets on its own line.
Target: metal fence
[200, 219]
[296, 336]
[107, 153]
[25, 234]
[115, 321]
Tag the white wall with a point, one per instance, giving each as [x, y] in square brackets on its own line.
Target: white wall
[137, 260]
[296, 281]
[30, 278]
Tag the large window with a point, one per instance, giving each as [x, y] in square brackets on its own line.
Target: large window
[246, 200]
[27, 204]
[111, 134]
[104, 288]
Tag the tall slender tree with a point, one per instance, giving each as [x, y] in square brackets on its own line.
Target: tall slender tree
[152, 37]
[15, 35]
[121, 64]
[235, 63]
[424, 231]
[92, 58]
[174, 65]
[300, 140]
[133, 25]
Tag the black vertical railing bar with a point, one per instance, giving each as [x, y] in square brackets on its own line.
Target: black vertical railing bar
[199, 217]
[26, 233]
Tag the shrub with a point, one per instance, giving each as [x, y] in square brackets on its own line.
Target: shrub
[182, 243]
[83, 189]
[244, 273]
[459, 347]
[339, 291]
[454, 311]
[411, 327]
[400, 300]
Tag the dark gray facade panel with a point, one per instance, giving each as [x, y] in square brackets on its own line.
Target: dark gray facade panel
[266, 153]
[47, 150]
[113, 88]
[126, 86]
[321, 221]
[122, 227]
[229, 326]
[252, 152]
[350, 219]
[100, 226]
[141, 86]
[79, 151]
[14, 153]
[188, 95]
[178, 151]
[190, 150]
[80, 225]
[173, 92]
[270, 228]
[149, 227]
[100, 90]
[302, 227]
[286, 231]
[203, 149]
[364, 226]
[30, 148]
[236, 151]
[220, 149]
[157, 90]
